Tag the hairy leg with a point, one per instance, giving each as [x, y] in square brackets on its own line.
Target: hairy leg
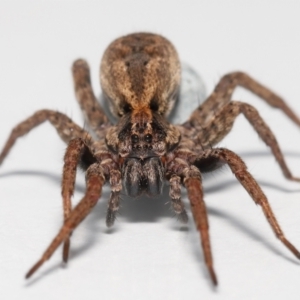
[221, 124]
[94, 181]
[175, 195]
[222, 95]
[114, 200]
[192, 182]
[239, 169]
[179, 165]
[68, 131]
[92, 110]
[72, 158]
[64, 126]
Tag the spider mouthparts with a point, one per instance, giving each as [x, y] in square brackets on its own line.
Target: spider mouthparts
[143, 176]
[143, 157]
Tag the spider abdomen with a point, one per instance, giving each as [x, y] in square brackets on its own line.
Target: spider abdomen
[140, 70]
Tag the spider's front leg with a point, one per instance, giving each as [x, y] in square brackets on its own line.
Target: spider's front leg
[72, 158]
[239, 169]
[192, 182]
[179, 169]
[68, 131]
[114, 200]
[94, 182]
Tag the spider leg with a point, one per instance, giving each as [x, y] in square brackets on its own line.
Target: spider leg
[72, 158]
[94, 181]
[192, 182]
[175, 195]
[65, 127]
[222, 95]
[93, 112]
[114, 200]
[221, 124]
[239, 169]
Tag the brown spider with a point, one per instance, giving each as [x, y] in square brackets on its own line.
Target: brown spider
[140, 76]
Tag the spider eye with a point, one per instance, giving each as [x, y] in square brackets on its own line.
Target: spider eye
[127, 108]
[148, 138]
[154, 104]
[134, 138]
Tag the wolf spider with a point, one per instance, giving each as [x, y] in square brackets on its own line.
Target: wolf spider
[140, 77]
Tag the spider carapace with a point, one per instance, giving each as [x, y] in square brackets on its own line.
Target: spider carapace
[140, 79]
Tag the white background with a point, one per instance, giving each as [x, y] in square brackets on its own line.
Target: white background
[148, 254]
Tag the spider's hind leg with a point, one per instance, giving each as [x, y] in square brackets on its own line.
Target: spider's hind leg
[221, 124]
[92, 110]
[64, 126]
[222, 95]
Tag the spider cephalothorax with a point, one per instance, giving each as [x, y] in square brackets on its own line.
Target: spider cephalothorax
[142, 134]
[142, 139]
[140, 79]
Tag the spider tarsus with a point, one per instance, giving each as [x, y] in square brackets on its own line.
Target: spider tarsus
[213, 276]
[297, 179]
[291, 247]
[110, 218]
[81, 71]
[66, 249]
[34, 268]
[183, 217]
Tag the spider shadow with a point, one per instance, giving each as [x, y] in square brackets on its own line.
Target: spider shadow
[266, 153]
[54, 268]
[145, 209]
[141, 209]
[226, 184]
[239, 225]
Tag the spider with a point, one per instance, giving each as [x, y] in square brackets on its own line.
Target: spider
[140, 77]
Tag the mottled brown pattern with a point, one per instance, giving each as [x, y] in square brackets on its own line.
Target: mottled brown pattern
[239, 169]
[192, 181]
[94, 183]
[94, 115]
[140, 70]
[65, 127]
[140, 75]
[71, 160]
[175, 195]
[222, 95]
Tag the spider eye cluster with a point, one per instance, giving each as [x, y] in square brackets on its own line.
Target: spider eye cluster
[134, 138]
[142, 142]
[148, 138]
